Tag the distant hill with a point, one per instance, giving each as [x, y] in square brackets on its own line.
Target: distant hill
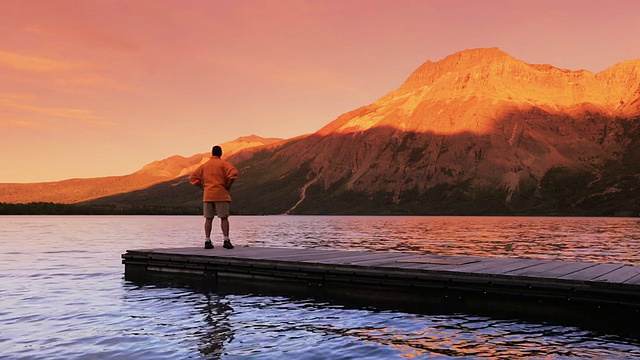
[80, 190]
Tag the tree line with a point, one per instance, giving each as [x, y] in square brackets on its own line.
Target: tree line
[48, 208]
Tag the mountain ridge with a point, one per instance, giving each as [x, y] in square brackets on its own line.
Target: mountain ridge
[478, 132]
[79, 190]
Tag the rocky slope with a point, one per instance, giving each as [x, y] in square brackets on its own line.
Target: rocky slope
[478, 124]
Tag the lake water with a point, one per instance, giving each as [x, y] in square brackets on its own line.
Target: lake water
[63, 294]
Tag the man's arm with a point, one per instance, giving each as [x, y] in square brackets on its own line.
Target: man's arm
[232, 174]
[229, 183]
[196, 178]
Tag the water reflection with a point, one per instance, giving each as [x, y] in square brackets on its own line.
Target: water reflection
[269, 321]
[218, 330]
[246, 324]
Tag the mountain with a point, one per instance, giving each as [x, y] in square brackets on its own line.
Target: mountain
[79, 190]
[478, 132]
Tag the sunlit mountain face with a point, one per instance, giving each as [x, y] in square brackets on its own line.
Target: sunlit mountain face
[471, 90]
[478, 132]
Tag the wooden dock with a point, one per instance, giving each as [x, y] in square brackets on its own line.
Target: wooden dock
[511, 280]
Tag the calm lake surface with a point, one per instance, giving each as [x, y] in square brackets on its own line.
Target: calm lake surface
[63, 294]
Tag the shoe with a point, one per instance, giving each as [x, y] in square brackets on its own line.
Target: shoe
[208, 245]
[227, 244]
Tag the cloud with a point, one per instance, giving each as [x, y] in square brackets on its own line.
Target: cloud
[286, 73]
[315, 77]
[35, 64]
[63, 73]
[79, 115]
[13, 97]
[93, 80]
[13, 124]
[87, 34]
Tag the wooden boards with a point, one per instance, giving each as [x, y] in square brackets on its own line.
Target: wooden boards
[578, 281]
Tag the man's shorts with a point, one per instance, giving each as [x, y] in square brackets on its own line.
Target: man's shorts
[212, 209]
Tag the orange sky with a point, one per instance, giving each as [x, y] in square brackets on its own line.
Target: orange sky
[95, 88]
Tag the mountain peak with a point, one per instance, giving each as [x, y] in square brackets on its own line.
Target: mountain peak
[461, 62]
[622, 82]
[469, 90]
[479, 54]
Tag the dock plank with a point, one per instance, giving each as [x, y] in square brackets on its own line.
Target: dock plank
[332, 256]
[472, 265]
[563, 270]
[305, 254]
[591, 272]
[393, 258]
[365, 260]
[538, 269]
[497, 265]
[620, 275]
[256, 253]
[633, 281]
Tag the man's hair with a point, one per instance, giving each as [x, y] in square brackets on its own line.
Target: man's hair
[216, 151]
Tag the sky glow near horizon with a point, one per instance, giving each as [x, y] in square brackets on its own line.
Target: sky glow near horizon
[99, 88]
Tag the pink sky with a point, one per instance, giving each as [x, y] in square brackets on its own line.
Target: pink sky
[95, 88]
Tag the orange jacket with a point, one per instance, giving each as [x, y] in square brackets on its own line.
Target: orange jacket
[215, 176]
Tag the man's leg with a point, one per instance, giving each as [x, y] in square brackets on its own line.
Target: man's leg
[209, 211]
[222, 210]
[207, 233]
[208, 224]
[209, 214]
[224, 225]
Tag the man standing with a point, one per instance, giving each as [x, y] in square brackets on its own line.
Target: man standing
[215, 177]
